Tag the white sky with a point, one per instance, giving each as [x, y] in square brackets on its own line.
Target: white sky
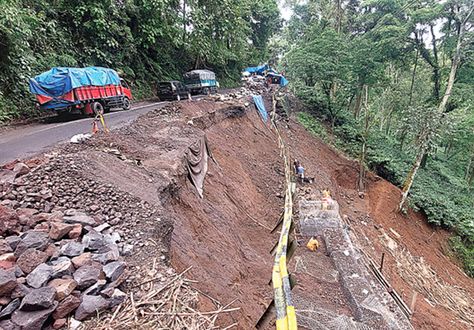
[285, 11]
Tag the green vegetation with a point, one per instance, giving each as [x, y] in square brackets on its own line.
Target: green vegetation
[392, 81]
[144, 40]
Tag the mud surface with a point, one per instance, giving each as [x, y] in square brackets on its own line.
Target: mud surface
[370, 219]
[226, 237]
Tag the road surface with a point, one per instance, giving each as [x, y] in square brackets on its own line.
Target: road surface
[29, 140]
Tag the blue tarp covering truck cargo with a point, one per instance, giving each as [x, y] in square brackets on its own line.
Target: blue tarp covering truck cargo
[60, 80]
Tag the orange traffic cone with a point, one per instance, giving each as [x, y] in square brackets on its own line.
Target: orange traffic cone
[95, 127]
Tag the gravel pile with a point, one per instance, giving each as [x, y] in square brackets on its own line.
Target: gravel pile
[67, 264]
[59, 184]
[62, 238]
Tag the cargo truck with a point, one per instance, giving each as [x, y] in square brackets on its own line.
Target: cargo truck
[88, 90]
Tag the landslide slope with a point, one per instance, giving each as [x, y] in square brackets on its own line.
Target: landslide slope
[224, 238]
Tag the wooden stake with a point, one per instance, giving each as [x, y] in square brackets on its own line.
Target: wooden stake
[381, 261]
[413, 302]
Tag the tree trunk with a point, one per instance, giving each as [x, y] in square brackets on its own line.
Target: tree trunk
[184, 22]
[436, 73]
[413, 77]
[358, 102]
[403, 136]
[455, 63]
[410, 178]
[338, 16]
[442, 106]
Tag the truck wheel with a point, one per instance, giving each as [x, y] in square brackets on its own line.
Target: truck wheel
[97, 108]
[206, 91]
[126, 104]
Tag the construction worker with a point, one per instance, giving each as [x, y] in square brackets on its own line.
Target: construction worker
[296, 163]
[300, 173]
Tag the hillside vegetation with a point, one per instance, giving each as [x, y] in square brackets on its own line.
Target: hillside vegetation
[144, 40]
[393, 82]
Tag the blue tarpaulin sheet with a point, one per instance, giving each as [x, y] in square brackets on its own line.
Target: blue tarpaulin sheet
[281, 79]
[60, 80]
[257, 69]
[258, 100]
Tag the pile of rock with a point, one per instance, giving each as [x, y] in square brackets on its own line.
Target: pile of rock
[62, 183]
[67, 263]
[241, 94]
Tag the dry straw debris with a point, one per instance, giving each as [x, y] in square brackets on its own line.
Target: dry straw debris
[163, 305]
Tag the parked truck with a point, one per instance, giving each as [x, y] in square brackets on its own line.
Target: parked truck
[201, 82]
[88, 90]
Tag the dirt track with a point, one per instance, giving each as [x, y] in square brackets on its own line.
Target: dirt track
[225, 236]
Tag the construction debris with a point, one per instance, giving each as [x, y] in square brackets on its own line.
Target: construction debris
[164, 303]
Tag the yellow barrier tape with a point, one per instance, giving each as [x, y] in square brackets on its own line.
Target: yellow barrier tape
[285, 311]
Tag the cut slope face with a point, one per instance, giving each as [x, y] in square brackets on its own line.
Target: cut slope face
[374, 218]
[225, 236]
[371, 306]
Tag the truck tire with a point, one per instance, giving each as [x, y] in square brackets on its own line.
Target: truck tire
[98, 108]
[206, 91]
[126, 104]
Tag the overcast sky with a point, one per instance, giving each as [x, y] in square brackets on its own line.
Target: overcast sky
[285, 11]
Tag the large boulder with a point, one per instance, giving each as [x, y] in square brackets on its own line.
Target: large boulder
[37, 299]
[13, 241]
[30, 259]
[106, 254]
[94, 240]
[21, 169]
[9, 221]
[59, 230]
[63, 287]
[32, 239]
[72, 249]
[39, 276]
[66, 306]
[62, 267]
[8, 325]
[28, 320]
[5, 247]
[90, 305]
[7, 282]
[83, 259]
[10, 308]
[114, 270]
[87, 275]
[73, 216]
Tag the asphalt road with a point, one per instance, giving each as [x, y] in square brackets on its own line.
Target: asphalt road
[32, 139]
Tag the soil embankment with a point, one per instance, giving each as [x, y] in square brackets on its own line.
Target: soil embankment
[224, 239]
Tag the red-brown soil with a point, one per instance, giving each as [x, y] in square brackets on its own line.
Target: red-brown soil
[225, 236]
[376, 213]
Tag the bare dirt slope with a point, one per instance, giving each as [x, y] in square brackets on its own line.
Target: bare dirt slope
[415, 257]
[225, 237]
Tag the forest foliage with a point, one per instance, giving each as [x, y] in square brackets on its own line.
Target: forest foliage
[393, 81]
[144, 40]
